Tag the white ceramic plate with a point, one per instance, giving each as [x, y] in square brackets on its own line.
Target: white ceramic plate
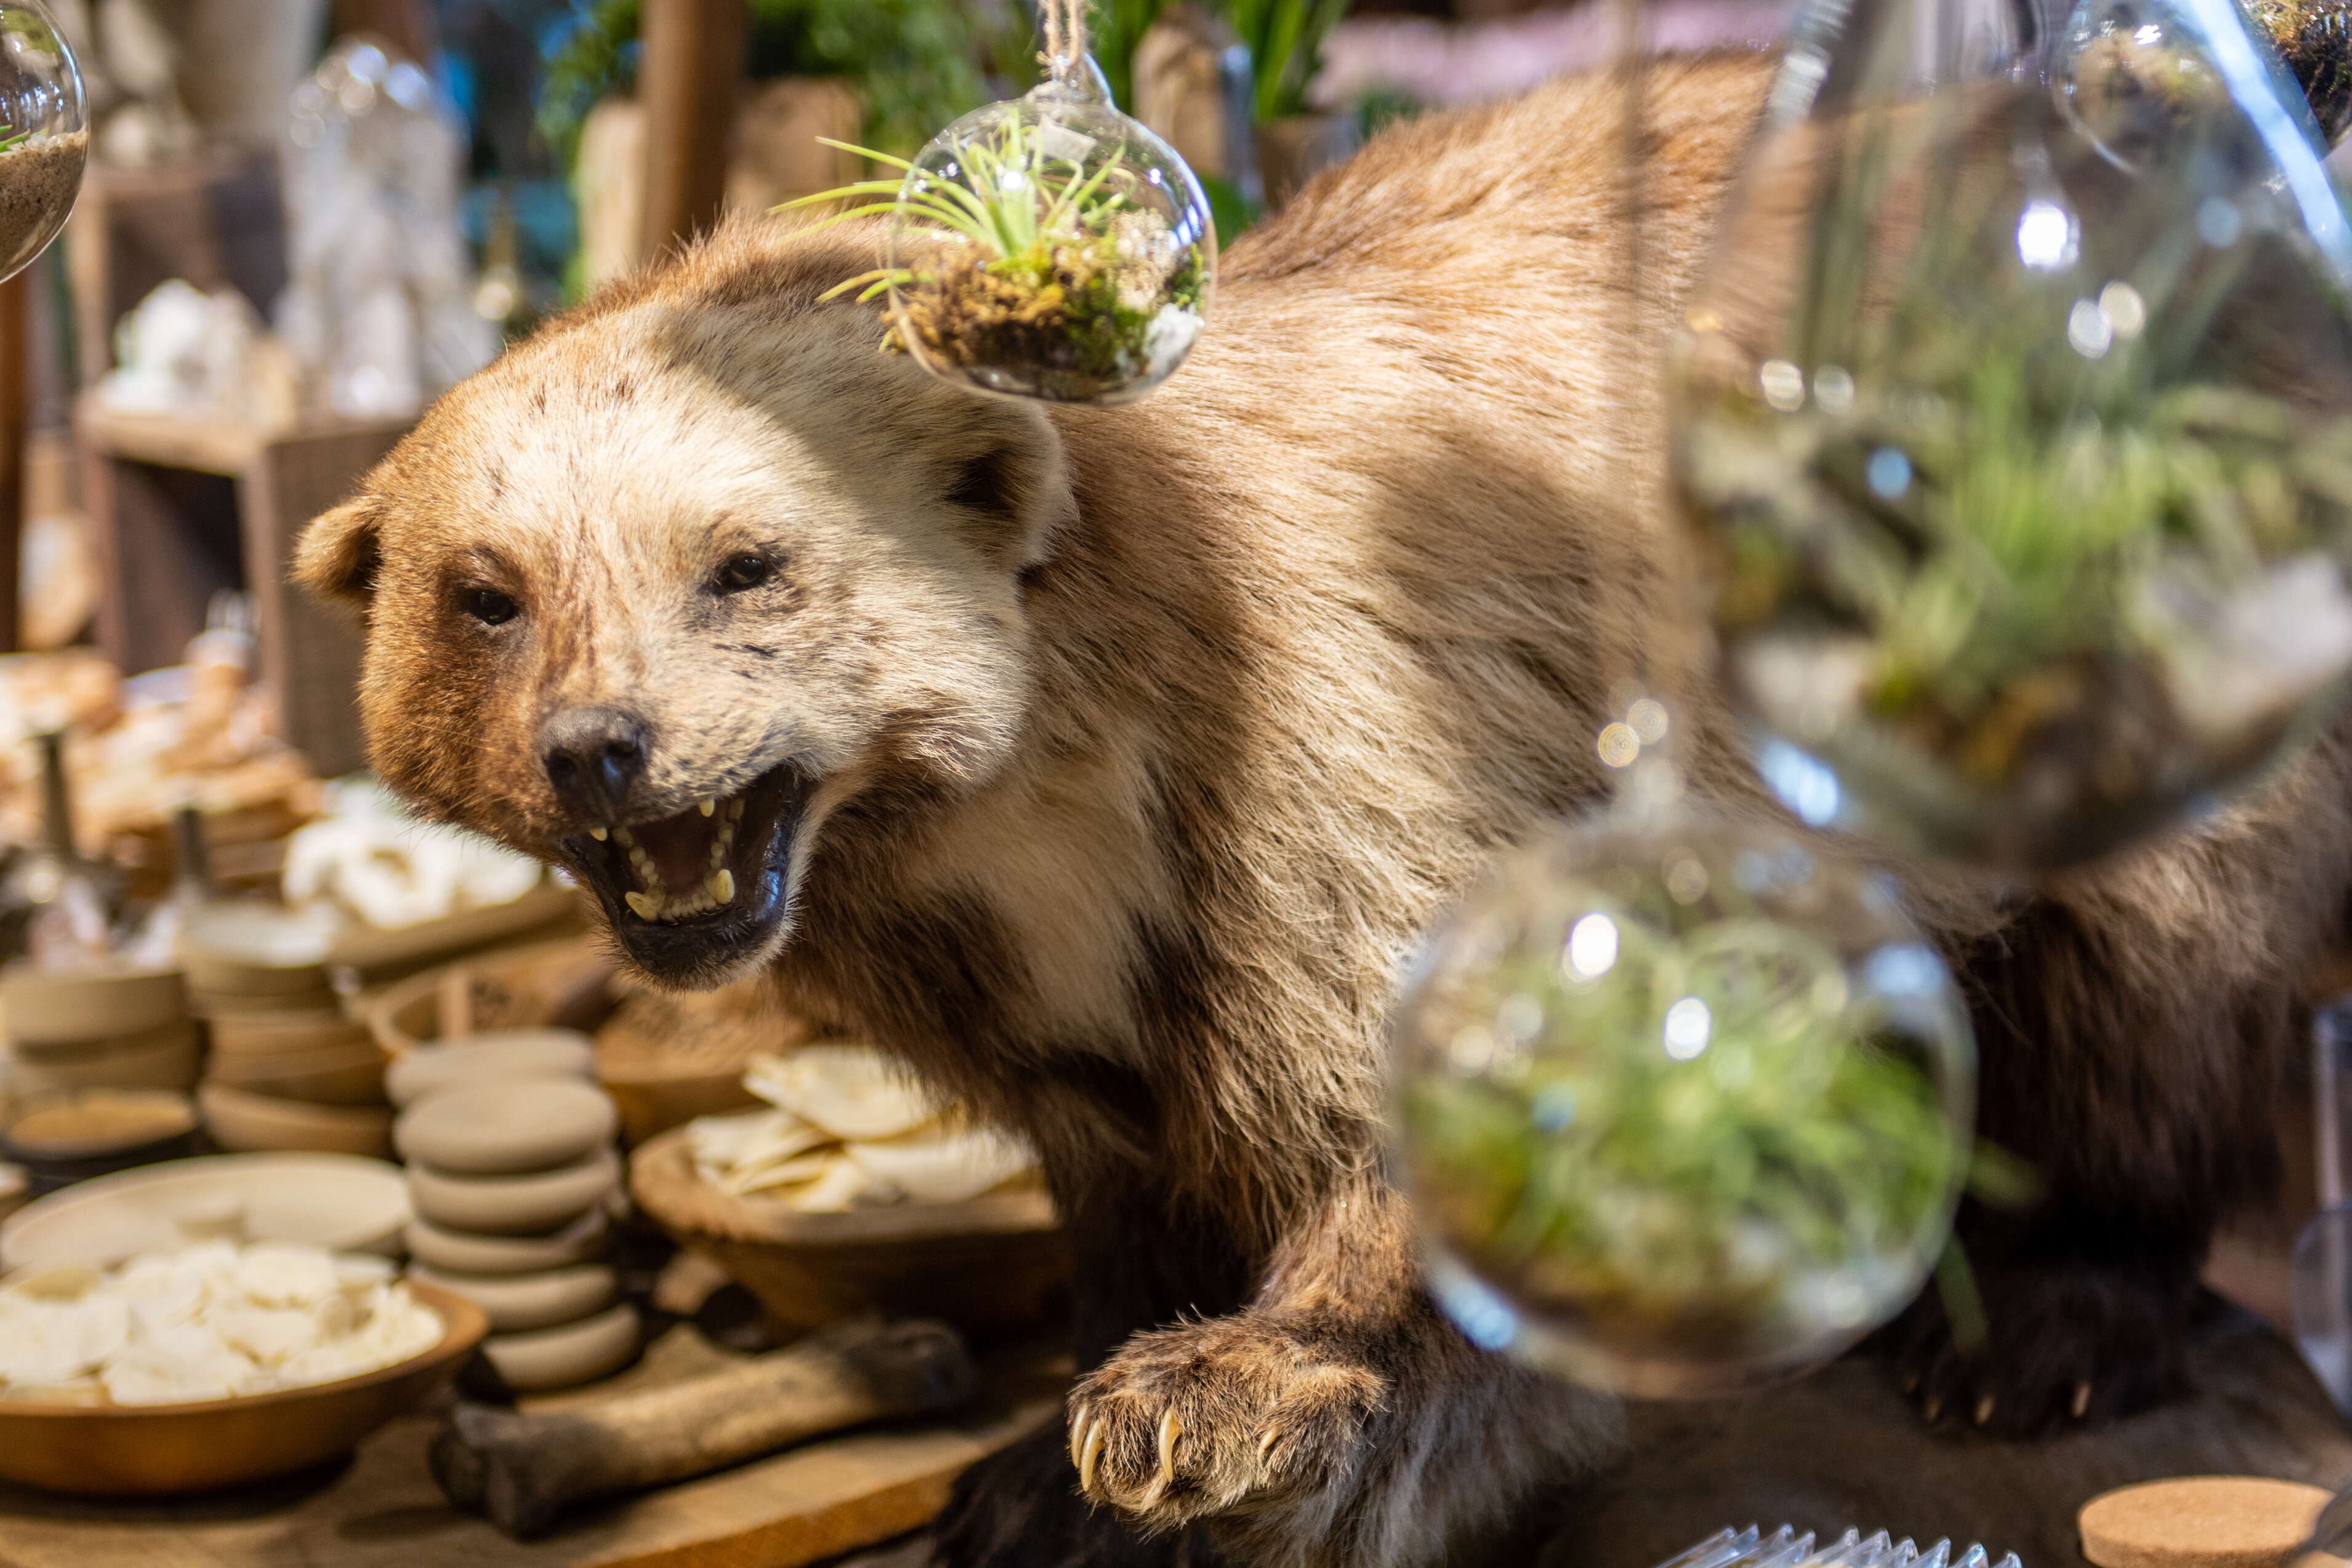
[340, 1202]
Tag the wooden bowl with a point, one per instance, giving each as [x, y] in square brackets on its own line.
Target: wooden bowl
[44, 1008]
[652, 1104]
[163, 1058]
[995, 1266]
[340, 1202]
[667, 1058]
[332, 1075]
[78, 1133]
[241, 1120]
[367, 947]
[546, 983]
[143, 1451]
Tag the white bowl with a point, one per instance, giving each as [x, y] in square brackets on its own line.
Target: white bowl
[340, 1202]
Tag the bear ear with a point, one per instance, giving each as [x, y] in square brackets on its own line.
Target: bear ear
[340, 553]
[1012, 484]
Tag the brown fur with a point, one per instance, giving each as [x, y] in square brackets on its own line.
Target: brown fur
[1148, 740]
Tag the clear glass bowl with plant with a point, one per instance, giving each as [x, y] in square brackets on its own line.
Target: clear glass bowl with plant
[1682, 1105]
[44, 134]
[2014, 414]
[1046, 248]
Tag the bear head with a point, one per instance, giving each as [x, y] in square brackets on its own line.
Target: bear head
[664, 587]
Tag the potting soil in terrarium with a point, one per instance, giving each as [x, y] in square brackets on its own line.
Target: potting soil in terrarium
[1682, 1106]
[1048, 247]
[2016, 424]
[44, 138]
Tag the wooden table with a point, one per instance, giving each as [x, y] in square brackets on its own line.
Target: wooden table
[382, 1509]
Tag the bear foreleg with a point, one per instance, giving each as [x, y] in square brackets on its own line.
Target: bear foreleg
[1338, 1420]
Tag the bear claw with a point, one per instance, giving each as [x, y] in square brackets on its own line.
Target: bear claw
[1186, 1423]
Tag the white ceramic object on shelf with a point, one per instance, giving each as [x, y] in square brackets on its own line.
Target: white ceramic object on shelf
[583, 1241]
[540, 1301]
[490, 1053]
[506, 1126]
[514, 1205]
[536, 1360]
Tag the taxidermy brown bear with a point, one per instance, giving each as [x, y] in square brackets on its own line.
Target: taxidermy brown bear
[1103, 764]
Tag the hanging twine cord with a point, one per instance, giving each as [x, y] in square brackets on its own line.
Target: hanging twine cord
[1065, 22]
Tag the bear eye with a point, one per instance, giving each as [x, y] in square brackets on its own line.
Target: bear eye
[488, 606]
[743, 571]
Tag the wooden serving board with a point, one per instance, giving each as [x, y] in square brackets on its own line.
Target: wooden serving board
[383, 1510]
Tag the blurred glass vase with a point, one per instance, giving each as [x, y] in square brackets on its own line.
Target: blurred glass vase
[44, 134]
[1682, 1105]
[2015, 414]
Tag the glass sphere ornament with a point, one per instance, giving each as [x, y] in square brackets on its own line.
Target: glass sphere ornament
[44, 132]
[1683, 1105]
[1051, 247]
[2015, 414]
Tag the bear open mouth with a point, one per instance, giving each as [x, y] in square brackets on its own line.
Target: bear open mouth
[687, 893]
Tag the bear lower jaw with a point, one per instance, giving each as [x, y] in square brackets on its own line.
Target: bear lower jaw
[699, 935]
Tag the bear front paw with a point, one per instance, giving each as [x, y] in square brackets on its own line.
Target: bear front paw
[2069, 1345]
[1190, 1422]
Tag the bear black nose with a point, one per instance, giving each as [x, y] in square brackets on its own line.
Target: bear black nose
[595, 757]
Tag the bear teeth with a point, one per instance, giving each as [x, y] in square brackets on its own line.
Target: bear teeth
[721, 884]
[706, 807]
[599, 834]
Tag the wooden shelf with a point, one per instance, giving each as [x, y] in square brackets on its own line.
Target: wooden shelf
[181, 508]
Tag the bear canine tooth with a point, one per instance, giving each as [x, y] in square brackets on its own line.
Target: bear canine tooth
[707, 806]
[599, 834]
[641, 906]
[721, 884]
[735, 810]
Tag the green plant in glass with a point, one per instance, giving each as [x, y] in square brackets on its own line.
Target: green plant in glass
[1047, 248]
[2031, 504]
[1692, 1098]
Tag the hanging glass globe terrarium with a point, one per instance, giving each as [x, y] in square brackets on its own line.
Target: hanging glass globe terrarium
[1047, 248]
[2016, 412]
[1682, 1104]
[44, 136]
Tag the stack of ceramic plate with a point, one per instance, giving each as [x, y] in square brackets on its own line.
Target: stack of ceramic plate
[98, 1028]
[256, 957]
[307, 1079]
[515, 1183]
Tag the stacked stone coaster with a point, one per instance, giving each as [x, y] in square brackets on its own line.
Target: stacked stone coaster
[515, 1182]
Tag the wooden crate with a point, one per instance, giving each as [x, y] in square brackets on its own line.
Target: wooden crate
[181, 508]
[215, 222]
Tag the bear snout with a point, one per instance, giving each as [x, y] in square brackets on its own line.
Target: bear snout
[594, 758]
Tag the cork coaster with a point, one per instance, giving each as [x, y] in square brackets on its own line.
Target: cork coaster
[2200, 1522]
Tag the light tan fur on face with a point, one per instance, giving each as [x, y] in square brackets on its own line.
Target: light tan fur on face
[1145, 759]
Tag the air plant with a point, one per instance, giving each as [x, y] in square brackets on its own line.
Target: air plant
[1681, 1131]
[1028, 256]
[2036, 529]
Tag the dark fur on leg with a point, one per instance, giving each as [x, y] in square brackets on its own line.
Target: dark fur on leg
[2084, 1333]
[1022, 1508]
[2132, 1021]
